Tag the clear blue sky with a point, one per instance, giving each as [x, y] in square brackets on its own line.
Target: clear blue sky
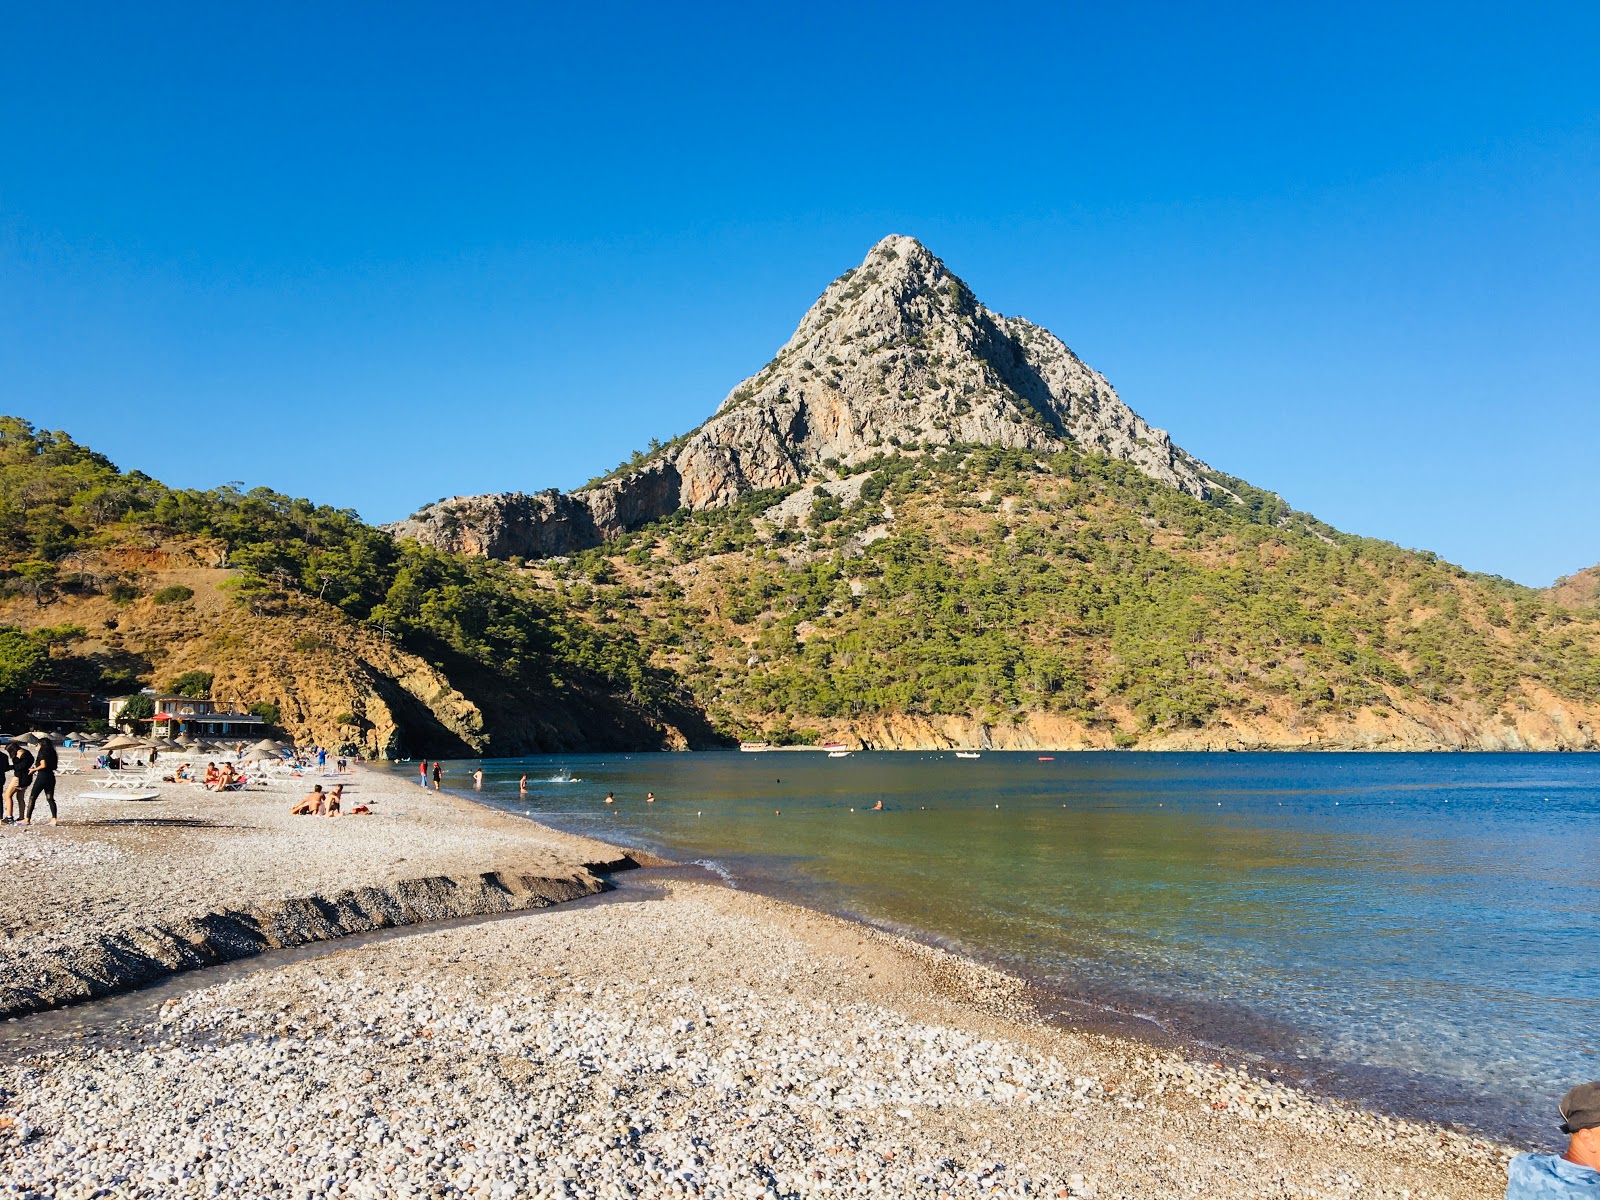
[376, 254]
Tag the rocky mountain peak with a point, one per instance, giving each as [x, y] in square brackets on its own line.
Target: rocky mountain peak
[896, 352]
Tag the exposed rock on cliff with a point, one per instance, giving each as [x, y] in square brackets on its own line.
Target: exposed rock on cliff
[897, 352]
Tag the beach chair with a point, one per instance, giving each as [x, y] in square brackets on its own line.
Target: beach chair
[130, 781]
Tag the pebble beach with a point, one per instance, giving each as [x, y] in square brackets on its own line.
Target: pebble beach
[678, 1040]
[125, 891]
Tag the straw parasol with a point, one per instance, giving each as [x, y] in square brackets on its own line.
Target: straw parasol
[125, 741]
[166, 744]
[267, 744]
[186, 739]
[256, 754]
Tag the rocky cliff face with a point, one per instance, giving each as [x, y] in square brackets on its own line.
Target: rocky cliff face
[897, 352]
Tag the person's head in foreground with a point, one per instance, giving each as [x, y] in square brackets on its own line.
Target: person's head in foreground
[1575, 1173]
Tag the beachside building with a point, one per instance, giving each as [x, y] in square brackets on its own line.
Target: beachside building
[185, 714]
[50, 706]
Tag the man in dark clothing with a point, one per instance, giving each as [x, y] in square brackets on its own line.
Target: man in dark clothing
[5, 771]
[44, 781]
[16, 794]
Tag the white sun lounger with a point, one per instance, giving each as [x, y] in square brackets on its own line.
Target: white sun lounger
[129, 781]
[121, 794]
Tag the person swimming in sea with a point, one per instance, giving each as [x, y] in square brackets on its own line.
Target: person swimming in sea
[523, 785]
[878, 807]
[611, 797]
[649, 797]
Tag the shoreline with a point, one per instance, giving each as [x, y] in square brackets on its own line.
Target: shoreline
[711, 1042]
[1200, 1031]
[620, 968]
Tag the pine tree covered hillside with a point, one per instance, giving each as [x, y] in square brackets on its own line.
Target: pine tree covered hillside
[113, 581]
[1003, 597]
[927, 524]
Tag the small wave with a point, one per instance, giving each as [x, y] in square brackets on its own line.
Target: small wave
[717, 869]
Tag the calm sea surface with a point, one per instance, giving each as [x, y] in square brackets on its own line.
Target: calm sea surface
[1422, 930]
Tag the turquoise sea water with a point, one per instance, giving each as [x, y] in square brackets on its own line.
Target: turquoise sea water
[1422, 930]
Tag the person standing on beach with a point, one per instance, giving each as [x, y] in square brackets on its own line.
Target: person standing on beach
[6, 814]
[438, 774]
[1567, 1176]
[17, 782]
[477, 780]
[44, 780]
[422, 773]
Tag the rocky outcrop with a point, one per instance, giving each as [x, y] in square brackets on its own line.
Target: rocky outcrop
[542, 524]
[895, 353]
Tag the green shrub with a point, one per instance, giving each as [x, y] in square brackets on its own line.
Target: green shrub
[139, 708]
[177, 593]
[194, 684]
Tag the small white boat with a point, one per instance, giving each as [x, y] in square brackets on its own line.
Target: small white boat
[838, 754]
[754, 747]
[968, 754]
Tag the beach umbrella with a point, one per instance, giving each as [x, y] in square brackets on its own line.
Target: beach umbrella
[267, 744]
[124, 742]
[166, 744]
[259, 755]
[186, 739]
[25, 739]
